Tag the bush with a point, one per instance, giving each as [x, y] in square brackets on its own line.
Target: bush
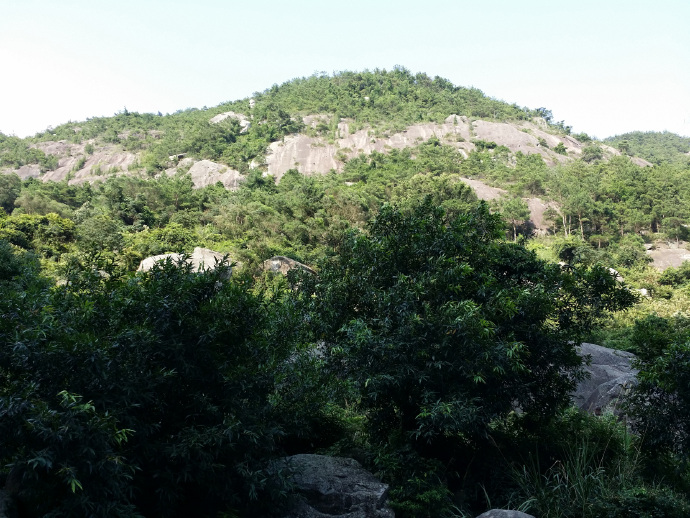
[660, 404]
[582, 464]
[642, 502]
[139, 395]
[444, 328]
[592, 153]
[574, 251]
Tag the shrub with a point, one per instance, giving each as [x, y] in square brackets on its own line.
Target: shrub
[444, 328]
[139, 395]
[592, 153]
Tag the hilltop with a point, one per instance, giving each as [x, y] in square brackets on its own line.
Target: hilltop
[312, 125]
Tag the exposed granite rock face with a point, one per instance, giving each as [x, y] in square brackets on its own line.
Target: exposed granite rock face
[336, 487]
[201, 259]
[281, 264]
[611, 375]
[502, 513]
[207, 172]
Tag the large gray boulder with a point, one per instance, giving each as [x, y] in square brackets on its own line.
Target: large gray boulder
[201, 259]
[335, 487]
[503, 513]
[610, 375]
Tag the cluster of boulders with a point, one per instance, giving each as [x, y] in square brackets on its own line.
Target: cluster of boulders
[204, 259]
[281, 264]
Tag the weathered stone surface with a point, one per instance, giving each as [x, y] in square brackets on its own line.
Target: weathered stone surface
[146, 264]
[201, 259]
[503, 513]
[335, 487]
[281, 264]
[245, 124]
[610, 375]
[206, 172]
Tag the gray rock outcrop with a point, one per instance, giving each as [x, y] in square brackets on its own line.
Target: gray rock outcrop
[610, 376]
[502, 513]
[201, 259]
[206, 172]
[281, 264]
[335, 487]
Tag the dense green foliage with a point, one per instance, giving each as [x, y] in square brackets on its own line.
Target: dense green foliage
[397, 98]
[148, 394]
[428, 346]
[657, 148]
[300, 217]
[16, 152]
[443, 329]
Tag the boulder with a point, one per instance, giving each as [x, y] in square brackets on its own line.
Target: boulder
[610, 375]
[146, 264]
[335, 487]
[201, 259]
[281, 264]
[503, 513]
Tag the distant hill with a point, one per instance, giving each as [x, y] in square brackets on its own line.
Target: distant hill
[655, 147]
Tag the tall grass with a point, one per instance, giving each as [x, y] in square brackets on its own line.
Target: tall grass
[602, 461]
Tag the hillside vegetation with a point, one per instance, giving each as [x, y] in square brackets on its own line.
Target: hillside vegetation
[435, 343]
[657, 148]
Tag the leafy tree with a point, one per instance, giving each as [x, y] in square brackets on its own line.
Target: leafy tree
[560, 149]
[592, 153]
[130, 397]
[10, 186]
[443, 328]
[515, 211]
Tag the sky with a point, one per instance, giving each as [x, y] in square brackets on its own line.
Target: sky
[605, 67]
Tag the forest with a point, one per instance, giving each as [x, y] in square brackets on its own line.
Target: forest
[434, 343]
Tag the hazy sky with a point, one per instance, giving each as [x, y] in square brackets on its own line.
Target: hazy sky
[605, 67]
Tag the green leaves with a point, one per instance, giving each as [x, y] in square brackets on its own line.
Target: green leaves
[147, 392]
[444, 327]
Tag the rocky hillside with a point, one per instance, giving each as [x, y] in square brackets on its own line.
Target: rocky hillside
[337, 123]
[310, 153]
[313, 125]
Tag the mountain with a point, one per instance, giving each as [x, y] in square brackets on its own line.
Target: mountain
[262, 168]
[312, 125]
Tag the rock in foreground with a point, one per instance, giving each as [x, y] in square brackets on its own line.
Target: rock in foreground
[335, 487]
[610, 376]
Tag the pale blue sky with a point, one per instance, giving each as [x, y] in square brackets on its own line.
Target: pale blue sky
[605, 67]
